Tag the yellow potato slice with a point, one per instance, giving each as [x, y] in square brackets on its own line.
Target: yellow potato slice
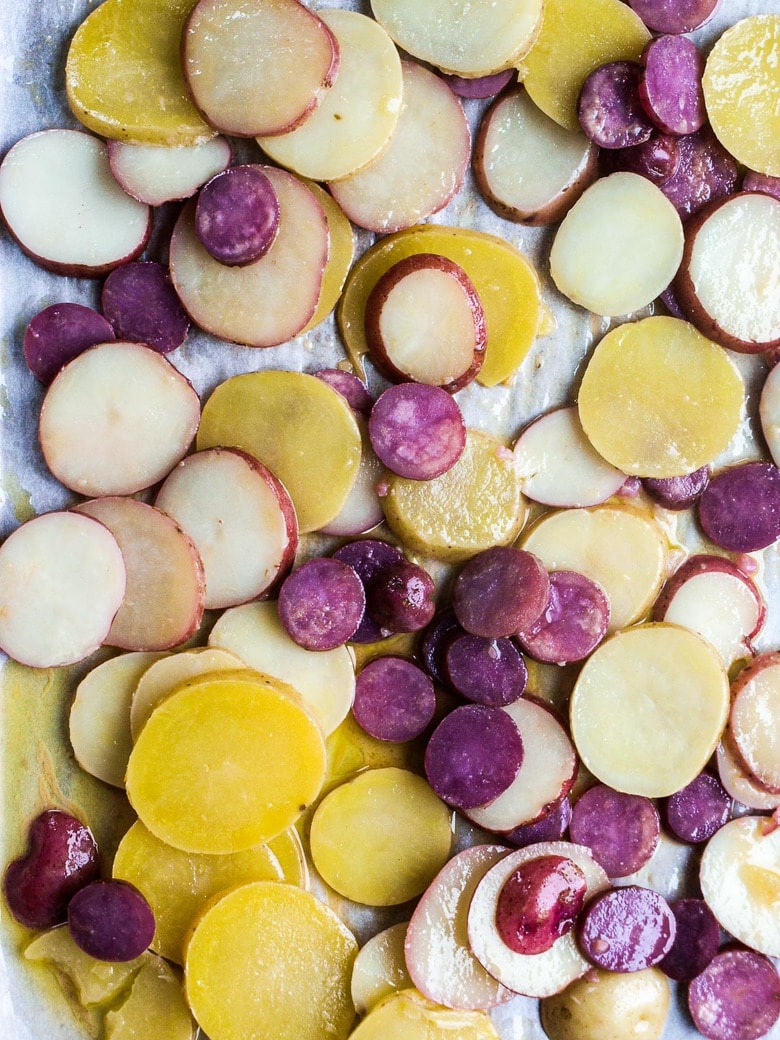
[606, 1004]
[225, 763]
[270, 962]
[155, 1007]
[742, 92]
[473, 506]
[123, 75]
[299, 427]
[407, 1014]
[381, 838]
[380, 968]
[96, 983]
[340, 256]
[658, 399]
[576, 37]
[623, 550]
[177, 884]
[506, 282]
[649, 708]
[350, 749]
[287, 847]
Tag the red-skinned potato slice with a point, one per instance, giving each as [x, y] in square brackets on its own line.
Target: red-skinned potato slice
[155, 174]
[425, 323]
[116, 419]
[423, 165]
[756, 700]
[730, 268]
[737, 781]
[267, 302]
[62, 580]
[528, 168]
[240, 518]
[163, 602]
[257, 66]
[64, 208]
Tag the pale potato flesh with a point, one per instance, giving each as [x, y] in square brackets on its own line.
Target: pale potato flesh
[97, 984]
[341, 254]
[155, 995]
[754, 730]
[609, 1006]
[721, 608]
[380, 968]
[157, 173]
[407, 1014]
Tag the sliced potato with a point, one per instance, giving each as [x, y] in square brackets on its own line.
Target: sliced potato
[408, 1014]
[340, 256]
[605, 1004]
[380, 968]
[96, 983]
[155, 1004]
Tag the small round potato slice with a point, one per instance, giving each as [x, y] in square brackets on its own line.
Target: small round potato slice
[608, 1006]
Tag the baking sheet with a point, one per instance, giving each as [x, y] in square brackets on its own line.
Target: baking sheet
[36, 766]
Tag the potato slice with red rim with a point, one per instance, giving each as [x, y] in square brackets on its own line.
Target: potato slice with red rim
[752, 724]
[64, 208]
[740, 880]
[163, 604]
[257, 66]
[540, 974]
[267, 302]
[116, 419]
[474, 41]
[649, 708]
[769, 413]
[528, 168]
[155, 174]
[240, 518]
[358, 114]
[380, 968]
[423, 165]
[62, 580]
[737, 781]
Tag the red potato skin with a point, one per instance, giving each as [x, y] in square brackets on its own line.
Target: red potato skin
[768, 660]
[686, 295]
[703, 564]
[379, 295]
[112, 148]
[327, 81]
[556, 209]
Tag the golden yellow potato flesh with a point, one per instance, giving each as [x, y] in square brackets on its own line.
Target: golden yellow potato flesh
[473, 506]
[577, 36]
[225, 763]
[340, 256]
[407, 1015]
[742, 92]
[608, 1006]
[95, 983]
[154, 1007]
[123, 74]
[658, 399]
[299, 427]
[381, 838]
[268, 961]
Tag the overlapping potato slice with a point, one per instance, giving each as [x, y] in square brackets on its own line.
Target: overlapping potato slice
[408, 1014]
[123, 75]
[271, 962]
[506, 283]
[340, 255]
[225, 763]
[155, 1005]
[299, 427]
[380, 968]
[96, 983]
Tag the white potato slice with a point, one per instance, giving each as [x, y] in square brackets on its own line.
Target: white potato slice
[116, 419]
[769, 412]
[163, 676]
[362, 510]
[754, 722]
[64, 207]
[623, 550]
[62, 580]
[423, 165]
[438, 955]
[358, 114]
[257, 66]
[559, 466]
[528, 168]
[473, 39]
[380, 968]
[546, 774]
[738, 784]
[155, 174]
[540, 974]
[240, 518]
[325, 679]
[99, 723]
[269, 301]
[740, 880]
[618, 247]
[649, 708]
[163, 603]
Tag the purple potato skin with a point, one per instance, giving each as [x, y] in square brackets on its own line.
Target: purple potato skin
[237, 215]
[142, 306]
[401, 598]
[417, 430]
[740, 508]
[627, 929]
[482, 87]
[670, 89]
[572, 624]
[762, 183]
[111, 921]
[656, 159]
[609, 108]
[551, 827]
[669, 299]
[59, 333]
[486, 671]
[500, 591]
[696, 812]
[677, 492]
[706, 172]
[539, 903]
[437, 636]
[321, 603]
[367, 557]
[621, 830]
[394, 699]
[353, 390]
[736, 997]
[61, 858]
[473, 756]
[696, 941]
[674, 16]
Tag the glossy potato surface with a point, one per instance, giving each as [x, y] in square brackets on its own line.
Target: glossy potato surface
[154, 1005]
[608, 1006]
